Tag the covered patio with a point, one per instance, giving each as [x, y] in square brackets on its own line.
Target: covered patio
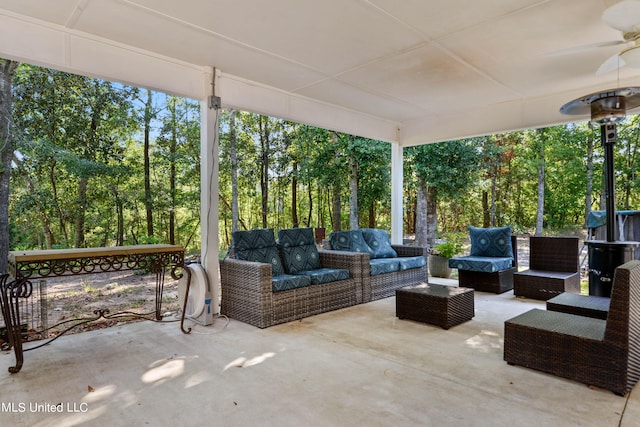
[403, 72]
[356, 366]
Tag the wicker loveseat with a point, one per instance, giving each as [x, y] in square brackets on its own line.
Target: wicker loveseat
[596, 352]
[387, 267]
[492, 260]
[265, 284]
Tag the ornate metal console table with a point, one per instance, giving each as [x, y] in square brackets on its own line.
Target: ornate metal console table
[27, 265]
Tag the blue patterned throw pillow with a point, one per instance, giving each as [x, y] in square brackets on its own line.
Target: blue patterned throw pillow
[258, 246]
[379, 242]
[298, 249]
[352, 241]
[491, 242]
[253, 239]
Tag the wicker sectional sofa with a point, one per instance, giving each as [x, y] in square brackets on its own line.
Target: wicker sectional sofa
[264, 284]
[387, 267]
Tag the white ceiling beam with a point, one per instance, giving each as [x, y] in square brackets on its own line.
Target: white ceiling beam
[246, 95]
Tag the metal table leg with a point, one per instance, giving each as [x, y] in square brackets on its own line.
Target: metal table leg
[186, 270]
[10, 292]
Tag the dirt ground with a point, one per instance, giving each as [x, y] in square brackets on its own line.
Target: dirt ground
[76, 297]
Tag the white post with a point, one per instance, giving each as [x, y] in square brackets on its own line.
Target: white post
[209, 197]
[397, 194]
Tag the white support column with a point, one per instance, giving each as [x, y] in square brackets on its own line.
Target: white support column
[209, 197]
[397, 193]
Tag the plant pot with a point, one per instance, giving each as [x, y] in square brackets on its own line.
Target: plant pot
[439, 266]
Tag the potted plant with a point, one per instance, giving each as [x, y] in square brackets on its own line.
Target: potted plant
[439, 258]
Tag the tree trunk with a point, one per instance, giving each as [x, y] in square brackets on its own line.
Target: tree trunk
[493, 200]
[7, 70]
[632, 147]
[56, 198]
[354, 222]
[173, 151]
[264, 169]
[589, 191]
[235, 215]
[541, 178]
[310, 198]
[486, 213]
[294, 195]
[421, 215]
[81, 208]
[372, 215]
[148, 203]
[336, 217]
[432, 215]
[120, 217]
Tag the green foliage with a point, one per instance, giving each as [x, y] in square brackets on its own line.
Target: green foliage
[78, 171]
[447, 249]
[450, 167]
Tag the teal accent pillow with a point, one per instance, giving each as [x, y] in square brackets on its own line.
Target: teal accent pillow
[352, 241]
[253, 239]
[298, 250]
[379, 242]
[491, 242]
[258, 246]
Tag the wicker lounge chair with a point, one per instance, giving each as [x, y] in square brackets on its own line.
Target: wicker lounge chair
[492, 261]
[260, 289]
[553, 268]
[596, 352]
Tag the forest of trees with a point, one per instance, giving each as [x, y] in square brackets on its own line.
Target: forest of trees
[95, 163]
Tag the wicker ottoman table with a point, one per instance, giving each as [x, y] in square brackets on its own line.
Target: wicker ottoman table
[439, 305]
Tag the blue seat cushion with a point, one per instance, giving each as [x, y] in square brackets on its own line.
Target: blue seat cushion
[482, 264]
[258, 246]
[352, 241]
[379, 243]
[298, 250]
[325, 275]
[384, 265]
[286, 282]
[407, 263]
[491, 242]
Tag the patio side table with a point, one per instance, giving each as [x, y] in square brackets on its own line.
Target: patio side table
[439, 305]
[25, 266]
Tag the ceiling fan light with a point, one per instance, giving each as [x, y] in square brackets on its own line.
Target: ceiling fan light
[611, 109]
[631, 56]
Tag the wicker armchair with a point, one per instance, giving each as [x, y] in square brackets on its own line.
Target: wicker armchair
[253, 294]
[601, 353]
[492, 261]
[553, 268]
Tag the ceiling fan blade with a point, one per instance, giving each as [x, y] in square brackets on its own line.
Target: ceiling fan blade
[611, 64]
[623, 16]
[583, 48]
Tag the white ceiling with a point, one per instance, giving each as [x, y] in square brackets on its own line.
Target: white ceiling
[410, 71]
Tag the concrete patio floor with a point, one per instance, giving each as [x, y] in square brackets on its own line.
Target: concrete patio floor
[352, 367]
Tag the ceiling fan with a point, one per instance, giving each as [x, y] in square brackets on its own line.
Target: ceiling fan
[624, 17]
